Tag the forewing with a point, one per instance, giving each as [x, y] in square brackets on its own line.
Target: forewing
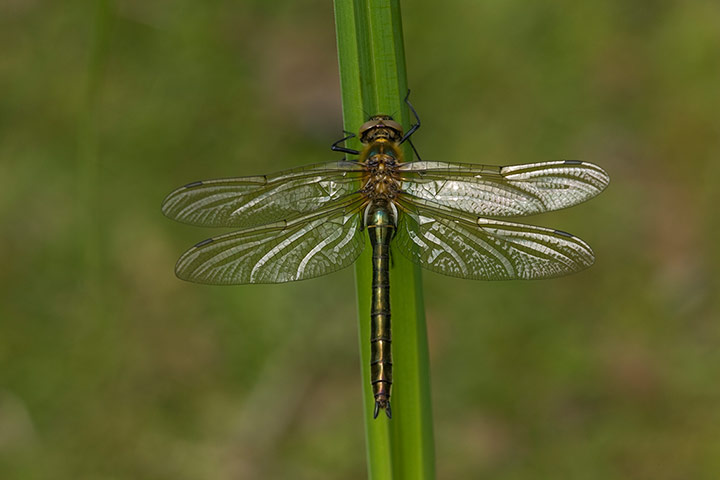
[251, 201]
[306, 247]
[460, 245]
[513, 190]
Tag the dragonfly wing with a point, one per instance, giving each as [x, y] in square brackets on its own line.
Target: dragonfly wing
[513, 190]
[252, 201]
[304, 247]
[461, 245]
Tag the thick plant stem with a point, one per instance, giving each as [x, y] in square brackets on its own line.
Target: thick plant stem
[373, 80]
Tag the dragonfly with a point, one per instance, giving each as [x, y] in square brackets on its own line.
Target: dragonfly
[314, 220]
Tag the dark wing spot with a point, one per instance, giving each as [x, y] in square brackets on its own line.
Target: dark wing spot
[194, 184]
[204, 242]
[564, 234]
[573, 162]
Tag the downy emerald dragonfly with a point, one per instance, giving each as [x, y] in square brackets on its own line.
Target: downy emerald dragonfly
[313, 220]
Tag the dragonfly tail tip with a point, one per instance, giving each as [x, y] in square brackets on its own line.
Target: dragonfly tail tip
[383, 404]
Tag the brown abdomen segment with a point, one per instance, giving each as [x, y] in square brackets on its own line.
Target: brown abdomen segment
[381, 228]
[380, 336]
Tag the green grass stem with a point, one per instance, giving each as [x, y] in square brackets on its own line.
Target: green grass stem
[373, 81]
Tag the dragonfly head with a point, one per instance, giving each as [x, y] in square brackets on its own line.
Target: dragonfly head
[380, 126]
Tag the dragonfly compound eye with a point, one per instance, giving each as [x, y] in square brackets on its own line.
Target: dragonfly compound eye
[380, 126]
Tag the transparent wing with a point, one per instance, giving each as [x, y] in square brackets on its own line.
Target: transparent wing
[460, 245]
[307, 246]
[495, 191]
[252, 201]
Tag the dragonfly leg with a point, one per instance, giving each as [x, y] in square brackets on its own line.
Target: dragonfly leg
[415, 126]
[336, 148]
[417, 155]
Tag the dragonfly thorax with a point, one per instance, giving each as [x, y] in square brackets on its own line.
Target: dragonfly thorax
[382, 180]
[381, 158]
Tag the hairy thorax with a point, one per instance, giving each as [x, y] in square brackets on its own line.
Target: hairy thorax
[382, 157]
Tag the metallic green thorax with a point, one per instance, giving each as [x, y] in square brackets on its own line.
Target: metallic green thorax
[381, 228]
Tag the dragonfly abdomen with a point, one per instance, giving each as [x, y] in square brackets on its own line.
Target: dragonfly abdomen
[380, 223]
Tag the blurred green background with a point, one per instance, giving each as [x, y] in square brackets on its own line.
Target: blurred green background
[111, 368]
